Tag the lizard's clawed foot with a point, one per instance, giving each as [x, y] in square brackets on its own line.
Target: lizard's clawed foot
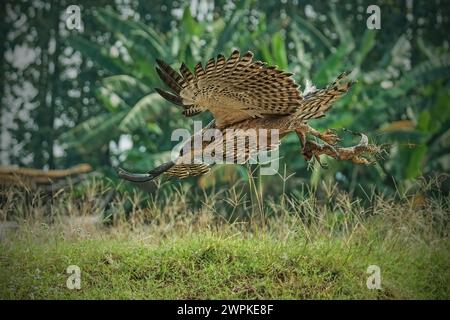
[313, 149]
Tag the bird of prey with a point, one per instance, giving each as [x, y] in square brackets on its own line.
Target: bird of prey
[245, 94]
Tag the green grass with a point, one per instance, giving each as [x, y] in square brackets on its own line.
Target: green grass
[322, 253]
[207, 266]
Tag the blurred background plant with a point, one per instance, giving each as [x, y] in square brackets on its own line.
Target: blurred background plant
[73, 96]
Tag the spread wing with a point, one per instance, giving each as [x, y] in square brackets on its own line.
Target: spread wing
[182, 167]
[228, 146]
[232, 89]
[185, 166]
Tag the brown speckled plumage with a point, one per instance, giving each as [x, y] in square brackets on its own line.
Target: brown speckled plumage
[245, 94]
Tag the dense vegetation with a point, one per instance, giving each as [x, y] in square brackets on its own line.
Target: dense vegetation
[95, 86]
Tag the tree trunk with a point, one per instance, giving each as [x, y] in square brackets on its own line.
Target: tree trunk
[3, 30]
[55, 83]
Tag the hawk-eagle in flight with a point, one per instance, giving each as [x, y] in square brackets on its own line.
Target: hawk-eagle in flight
[245, 94]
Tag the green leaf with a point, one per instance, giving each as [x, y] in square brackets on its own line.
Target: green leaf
[312, 31]
[189, 24]
[94, 132]
[110, 99]
[127, 87]
[267, 56]
[345, 35]
[129, 28]
[424, 121]
[415, 164]
[144, 110]
[97, 54]
[279, 51]
[367, 43]
[425, 73]
[231, 25]
[331, 65]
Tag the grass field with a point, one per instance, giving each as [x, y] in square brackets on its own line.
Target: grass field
[306, 250]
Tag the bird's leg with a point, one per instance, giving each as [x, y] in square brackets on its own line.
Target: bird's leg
[302, 136]
[330, 137]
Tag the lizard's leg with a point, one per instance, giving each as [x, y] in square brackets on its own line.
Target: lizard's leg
[328, 136]
[311, 149]
[301, 134]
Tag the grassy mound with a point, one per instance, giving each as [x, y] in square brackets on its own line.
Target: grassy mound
[209, 266]
[308, 250]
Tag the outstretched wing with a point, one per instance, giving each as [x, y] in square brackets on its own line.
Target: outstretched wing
[226, 146]
[185, 165]
[182, 171]
[232, 89]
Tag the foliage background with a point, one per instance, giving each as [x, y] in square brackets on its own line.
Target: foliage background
[73, 96]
